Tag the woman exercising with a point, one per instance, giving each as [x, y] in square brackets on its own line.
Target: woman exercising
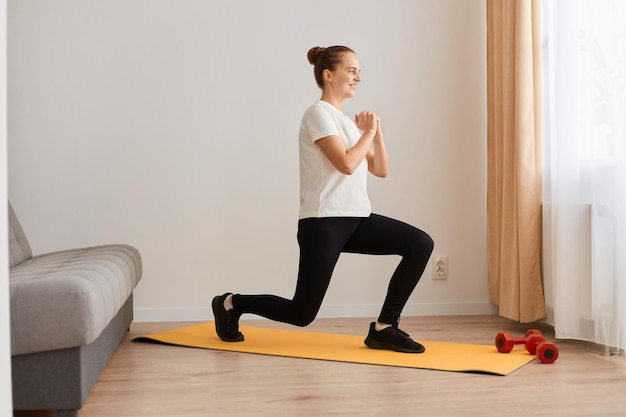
[335, 216]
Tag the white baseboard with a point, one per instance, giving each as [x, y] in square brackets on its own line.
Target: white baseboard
[205, 314]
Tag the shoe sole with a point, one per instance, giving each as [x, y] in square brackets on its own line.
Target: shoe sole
[215, 304]
[374, 344]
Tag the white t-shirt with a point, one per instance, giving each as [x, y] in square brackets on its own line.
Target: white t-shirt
[324, 191]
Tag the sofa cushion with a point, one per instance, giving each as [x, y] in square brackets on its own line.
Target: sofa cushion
[66, 299]
[19, 248]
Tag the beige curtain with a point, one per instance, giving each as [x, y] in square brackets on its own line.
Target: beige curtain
[514, 158]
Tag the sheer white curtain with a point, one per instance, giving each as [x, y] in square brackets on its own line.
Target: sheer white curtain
[585, 169]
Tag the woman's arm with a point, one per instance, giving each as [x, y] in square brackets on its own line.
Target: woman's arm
[347, 160]
[377, 159]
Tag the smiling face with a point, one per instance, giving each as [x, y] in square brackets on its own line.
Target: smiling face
[341, 83]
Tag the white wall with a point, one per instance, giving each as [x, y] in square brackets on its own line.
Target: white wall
[6, 396]
[172, 126]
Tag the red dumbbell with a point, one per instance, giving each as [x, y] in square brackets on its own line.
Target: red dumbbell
[505, 342]
[547, 352]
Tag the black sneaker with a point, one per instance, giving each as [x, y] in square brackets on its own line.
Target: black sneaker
[392, 338]
[226, 321]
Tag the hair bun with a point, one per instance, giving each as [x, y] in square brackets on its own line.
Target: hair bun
[314, 53]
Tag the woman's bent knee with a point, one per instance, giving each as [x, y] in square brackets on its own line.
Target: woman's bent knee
[422, 243]
[427, 242]
[303, 319]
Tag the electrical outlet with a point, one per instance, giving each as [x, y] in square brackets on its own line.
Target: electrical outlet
[440, 267]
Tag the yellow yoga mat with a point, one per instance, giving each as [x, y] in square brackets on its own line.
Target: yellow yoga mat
[443, 356]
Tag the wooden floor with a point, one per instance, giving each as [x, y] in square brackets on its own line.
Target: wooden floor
[149, 380]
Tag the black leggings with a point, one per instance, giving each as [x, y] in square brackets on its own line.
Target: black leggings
[321, 242]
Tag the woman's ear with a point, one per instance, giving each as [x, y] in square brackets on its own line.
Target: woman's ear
[328, 76]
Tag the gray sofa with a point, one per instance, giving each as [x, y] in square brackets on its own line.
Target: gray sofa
[69, 312]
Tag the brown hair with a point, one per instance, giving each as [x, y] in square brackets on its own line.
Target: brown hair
[325, 59]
